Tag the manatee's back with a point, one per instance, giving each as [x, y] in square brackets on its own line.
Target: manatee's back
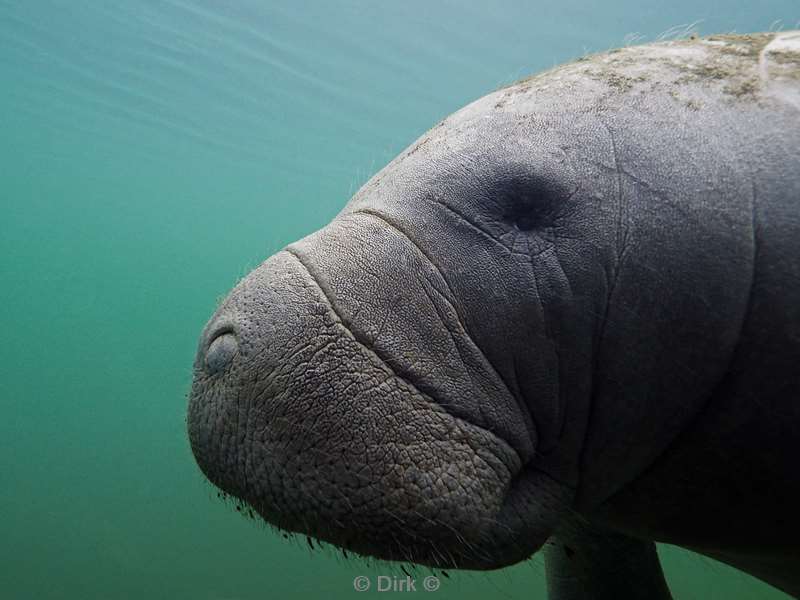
[728, 484]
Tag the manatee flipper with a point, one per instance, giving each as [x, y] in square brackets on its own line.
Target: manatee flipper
[585, 562]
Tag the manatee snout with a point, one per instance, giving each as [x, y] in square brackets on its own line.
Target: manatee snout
[222, 346]
[326, 397]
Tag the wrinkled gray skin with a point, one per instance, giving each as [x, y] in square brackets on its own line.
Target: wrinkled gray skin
[568, 316]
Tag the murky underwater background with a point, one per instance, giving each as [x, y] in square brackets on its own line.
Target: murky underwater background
[151, 154]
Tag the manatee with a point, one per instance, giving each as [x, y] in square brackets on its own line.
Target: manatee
[566, 319]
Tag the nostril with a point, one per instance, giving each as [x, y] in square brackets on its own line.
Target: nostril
[221, 350]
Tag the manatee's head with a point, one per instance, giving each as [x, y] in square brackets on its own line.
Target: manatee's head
[390, 383]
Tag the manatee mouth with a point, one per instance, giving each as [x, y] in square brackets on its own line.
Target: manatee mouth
[329, 426]
[461, 500]
[450, 517]
[442, 542]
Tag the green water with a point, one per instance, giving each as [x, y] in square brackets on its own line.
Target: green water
[152, 153]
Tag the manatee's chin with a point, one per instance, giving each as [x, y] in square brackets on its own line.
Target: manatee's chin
[460, 500]
[529, 511]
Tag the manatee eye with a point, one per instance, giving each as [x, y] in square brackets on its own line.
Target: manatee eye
[528, 202]
[524, 222]
[529, 211]
[530, 199]
[221, 351]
